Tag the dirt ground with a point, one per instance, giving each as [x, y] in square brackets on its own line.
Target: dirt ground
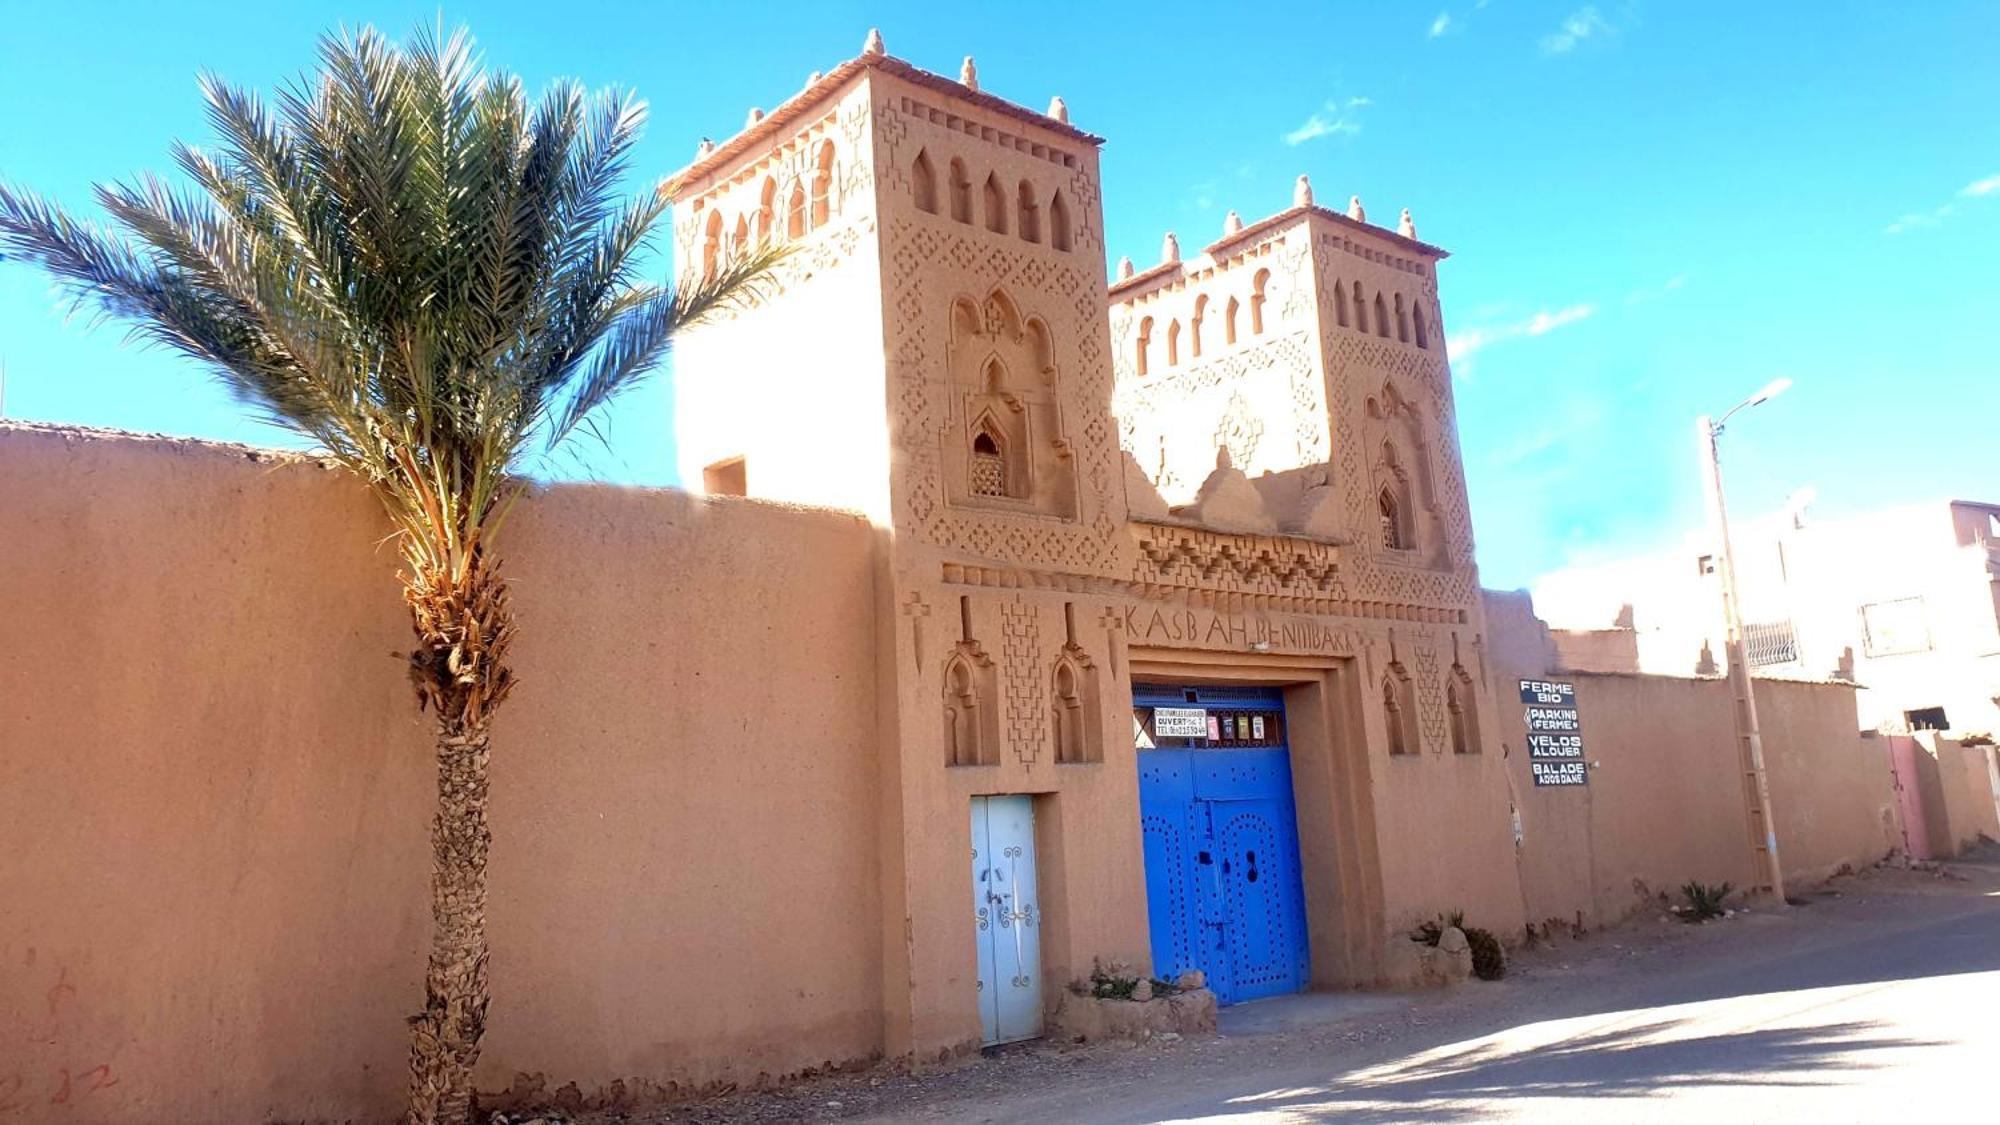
[1649, 961]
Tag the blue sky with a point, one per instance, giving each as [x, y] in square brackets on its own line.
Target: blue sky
[1653, 208]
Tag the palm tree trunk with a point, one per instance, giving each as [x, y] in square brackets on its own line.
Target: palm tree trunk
[463, 624]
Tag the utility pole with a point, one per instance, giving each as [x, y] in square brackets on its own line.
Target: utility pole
[1750, 741]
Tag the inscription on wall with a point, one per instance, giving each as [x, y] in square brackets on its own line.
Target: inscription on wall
[1213, 629]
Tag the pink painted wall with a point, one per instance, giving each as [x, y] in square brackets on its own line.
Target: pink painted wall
[214, 791]
[1665, 800]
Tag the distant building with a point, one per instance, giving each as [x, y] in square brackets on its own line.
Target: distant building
[1905, 602]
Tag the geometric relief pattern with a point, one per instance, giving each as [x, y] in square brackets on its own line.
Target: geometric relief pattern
[1287, 354]
[1255, 564]
[1431, 717]
[921, 422]
[1020, 656]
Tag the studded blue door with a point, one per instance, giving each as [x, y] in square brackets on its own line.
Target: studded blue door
[1006, 919]
[1223, 891]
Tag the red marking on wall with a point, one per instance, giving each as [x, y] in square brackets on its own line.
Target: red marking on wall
[61, 990]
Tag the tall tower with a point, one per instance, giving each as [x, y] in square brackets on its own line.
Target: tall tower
[935, 354]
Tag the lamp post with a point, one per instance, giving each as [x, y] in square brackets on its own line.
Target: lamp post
[1750, 742]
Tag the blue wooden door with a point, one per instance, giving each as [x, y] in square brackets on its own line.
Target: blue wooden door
[1223, 889]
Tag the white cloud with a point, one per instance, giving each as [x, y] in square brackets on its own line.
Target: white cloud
[1918, 220]
[1333, 118]
[1584, 23]
[1977, 188]
[1641, 296]
[1461, 345]
[1441, 24]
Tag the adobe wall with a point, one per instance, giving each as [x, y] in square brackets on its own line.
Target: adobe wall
[1956, 780]
[1665, 800]
[214, 790]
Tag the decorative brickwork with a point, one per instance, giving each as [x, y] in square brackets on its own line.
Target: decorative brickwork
[1021, 655]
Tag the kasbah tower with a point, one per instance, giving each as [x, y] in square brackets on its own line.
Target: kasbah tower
[1233, 476]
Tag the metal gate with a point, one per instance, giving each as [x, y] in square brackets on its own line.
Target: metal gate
[1223, 891]
[1008, 921]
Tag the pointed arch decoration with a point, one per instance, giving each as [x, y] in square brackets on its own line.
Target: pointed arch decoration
[711, 245]
[923, 183]
[1075, 712]
[1059, 231]
[795, 212]
[1029, 220]
[1422, 329]
[971, 707]
[996, 204]
[1381, 316]
[1229, 321]
[1194, 326]
[767, 210]
[822, 185]
[1257, 287]
[1399, 709]
[1461, 706]
[961, 191]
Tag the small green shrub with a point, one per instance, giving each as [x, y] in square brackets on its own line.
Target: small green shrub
[1704, 900]
[1489, 959]
[1118, 981]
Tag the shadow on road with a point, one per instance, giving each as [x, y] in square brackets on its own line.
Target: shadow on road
[1637, 1061]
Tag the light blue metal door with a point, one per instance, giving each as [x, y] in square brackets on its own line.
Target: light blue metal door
[1007, 918]
[1223, 889]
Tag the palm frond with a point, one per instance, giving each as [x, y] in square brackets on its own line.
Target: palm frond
[403, 258]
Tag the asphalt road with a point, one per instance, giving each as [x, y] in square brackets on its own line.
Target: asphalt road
[1862, 1006]
[1878, 998]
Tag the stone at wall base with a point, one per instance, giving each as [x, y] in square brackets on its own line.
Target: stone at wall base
[1416, 965]
[1089, 1019]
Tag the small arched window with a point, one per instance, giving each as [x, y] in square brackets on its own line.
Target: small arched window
[822, 192]
[989, 465]
[1360, 309]
[795, 212]
[1059, 223]
[1340, 304]
[1173, 342]
[1391, 513]
[1257, 285]
[1402, 320]
[1381, 317]
[1423, 330]
[1029, 221]
[1141, 359]
[767, 210]
[1229, 321]
[996, 206]
[740, 241]
[1194, 325]
[923, 184]
[711, 245]
[961, 192]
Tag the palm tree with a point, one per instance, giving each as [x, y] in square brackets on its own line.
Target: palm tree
[428, 277]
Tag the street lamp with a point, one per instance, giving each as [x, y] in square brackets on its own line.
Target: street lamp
[1750, 741]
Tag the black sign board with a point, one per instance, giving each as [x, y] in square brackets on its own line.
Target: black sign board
[1555, 733]
[1559, 773]
[1544, 693]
